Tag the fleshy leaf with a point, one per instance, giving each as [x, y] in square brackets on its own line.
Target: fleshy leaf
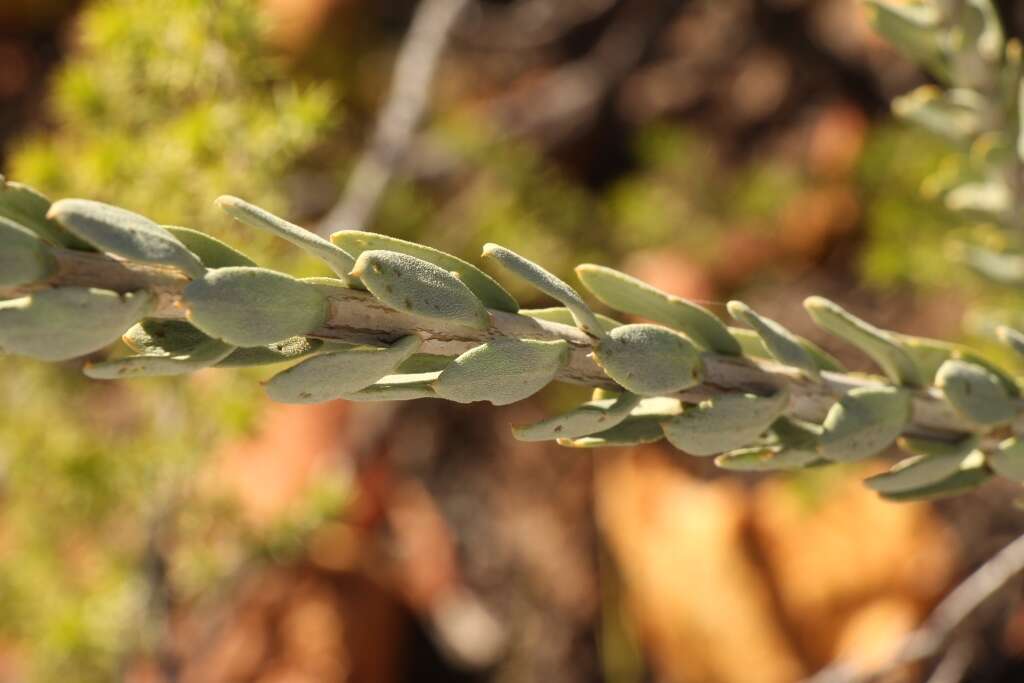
[423, 362]
[204, 355]
[864, 422]
[486, 288]
[725, 422]
[642, 426]
[589, 418]
[339, 260]
[548, 284]
[630, 295]
[159, 337]
[1007, 460]
[975, 393]
[253, 306]
[972, 473]
[412, 285]
[334, 374]
[210, 250]
[24, 257]
[649, 360]
[289, 349]
[561, 314]
[1012, 338]
[401, 387]
[502, 371]
[768, 458]
[883, 347]
[924, 470]
[782, 344]
[124, 233]
[753, 346]
[58, 324]
[25, 206]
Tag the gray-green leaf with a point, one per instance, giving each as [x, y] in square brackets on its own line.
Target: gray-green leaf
[253, 306]
[782, 344]
[415, 286]
[864, 422]
[561, 314]
[924, 470]
[205, 355]
[548, 284]
[399, 387]
[1008, 459]
[486, 288]
[630, 295]
[883, 347]
[24, 257]
[211, 251]
[340, 261]
[649, 359]
[753, 346]
[589, 418]
[725, 422]
[124, 233]
[27, 207]
[642, 426]
[63, 323]
[334, 374]
[502, 371]
[975, 393]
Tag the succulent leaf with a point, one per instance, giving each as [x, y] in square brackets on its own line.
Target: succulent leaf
[24, 257]
[883, 347]
[28, 208]
[725, 422]
[398, 387]
[211, 251]
[753, 347]
[649, 359]
[782, 344]
[976, 393]
[486, 288]
[340, 261]
[548, 284]
[412, 285]
[926, 469]
[590, 418]
[124, 233]
[561, 314]
[502, 371]
[334, 374]
[971, 474]
[59, 324]
[205, 355]
[630, 295]
[253, 306]
[643, 425]
[1007, 460]
[864, 422]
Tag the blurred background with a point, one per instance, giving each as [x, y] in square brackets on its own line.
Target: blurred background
[188, 530]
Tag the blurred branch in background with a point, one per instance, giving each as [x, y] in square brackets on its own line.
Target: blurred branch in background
[936, 635]
[414, 72]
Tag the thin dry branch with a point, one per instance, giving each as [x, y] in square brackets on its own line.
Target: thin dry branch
[933, 637]
[356, 316]
[407, 100]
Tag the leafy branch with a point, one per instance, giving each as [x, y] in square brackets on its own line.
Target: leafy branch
[404, 321]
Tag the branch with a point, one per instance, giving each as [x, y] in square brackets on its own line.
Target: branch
[419, 323]
[932, 637]
[357, 316]
[414, 73]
